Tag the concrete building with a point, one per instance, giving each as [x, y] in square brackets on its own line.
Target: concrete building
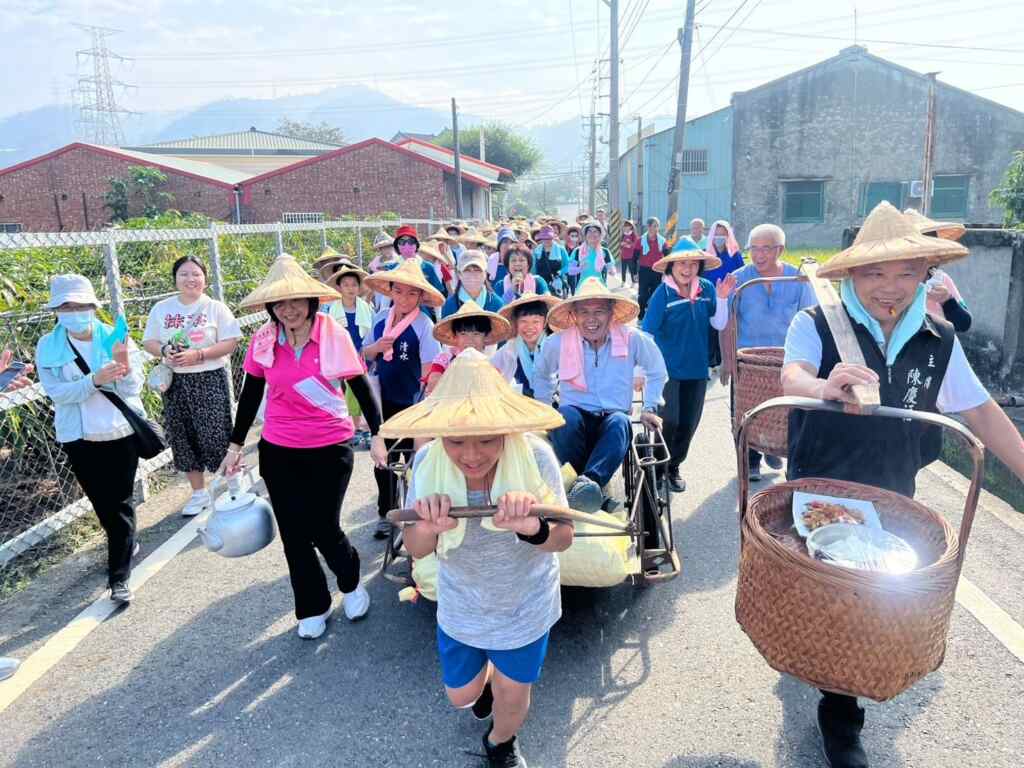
[707, 171]
[250, 152]
[817, 149]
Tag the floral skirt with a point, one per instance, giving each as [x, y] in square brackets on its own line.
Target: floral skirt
[197, 418]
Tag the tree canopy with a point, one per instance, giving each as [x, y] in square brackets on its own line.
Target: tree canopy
[502, 147]
[1010, 196]
[324, 131]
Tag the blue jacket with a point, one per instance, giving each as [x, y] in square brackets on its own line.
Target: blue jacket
[680, 329]
[510, 295]
[729, 264]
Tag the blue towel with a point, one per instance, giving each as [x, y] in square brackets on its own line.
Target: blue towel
[905, 329]
[54, 350]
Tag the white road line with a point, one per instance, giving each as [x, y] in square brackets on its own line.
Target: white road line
[69, 637]
[992, 617]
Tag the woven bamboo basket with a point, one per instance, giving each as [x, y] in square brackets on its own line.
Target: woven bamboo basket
[758, 379]
[849, 631]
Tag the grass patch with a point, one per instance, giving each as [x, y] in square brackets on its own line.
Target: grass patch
[797, 255]
[997, 480]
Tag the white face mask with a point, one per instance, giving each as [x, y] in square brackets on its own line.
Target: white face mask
[473, 280]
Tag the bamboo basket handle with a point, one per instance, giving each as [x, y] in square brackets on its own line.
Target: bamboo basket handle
[974, 447]
[537, 510]
[734, 312]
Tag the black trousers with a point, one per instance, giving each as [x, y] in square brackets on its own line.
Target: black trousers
[681, 414]
[387, 483]
[306, 487]
[106, 472]
[649, 280]
[631, 267]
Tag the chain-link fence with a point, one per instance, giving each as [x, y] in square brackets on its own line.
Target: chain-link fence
[40, 501]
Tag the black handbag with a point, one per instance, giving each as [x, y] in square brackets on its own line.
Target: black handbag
[149, 436]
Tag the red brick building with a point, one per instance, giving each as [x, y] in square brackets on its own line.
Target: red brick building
[64, 190]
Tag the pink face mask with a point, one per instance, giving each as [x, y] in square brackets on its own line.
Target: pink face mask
[407, 250]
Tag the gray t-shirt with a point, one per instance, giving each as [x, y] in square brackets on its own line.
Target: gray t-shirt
[495, 592]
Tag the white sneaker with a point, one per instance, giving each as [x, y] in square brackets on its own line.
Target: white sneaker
[357, 603]
[312, 627]
[200, 500]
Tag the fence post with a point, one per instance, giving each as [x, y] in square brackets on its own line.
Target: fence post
[359, 243]
[217, 282]
[323, 237]
[113, 270]
[280, 238]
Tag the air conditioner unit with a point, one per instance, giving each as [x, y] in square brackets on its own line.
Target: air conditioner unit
[916, 188]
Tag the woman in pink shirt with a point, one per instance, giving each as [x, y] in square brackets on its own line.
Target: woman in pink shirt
[298, 357]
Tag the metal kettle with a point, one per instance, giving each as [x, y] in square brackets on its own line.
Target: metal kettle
[241, 523]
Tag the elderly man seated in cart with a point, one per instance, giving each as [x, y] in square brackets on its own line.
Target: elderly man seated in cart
[917, 363]
[592, 360]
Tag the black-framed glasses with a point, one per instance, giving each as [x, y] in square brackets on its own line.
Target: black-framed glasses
[405, 241]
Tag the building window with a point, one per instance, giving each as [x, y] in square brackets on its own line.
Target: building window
[949, 197]
[877, 191]
[695, 162]
[9, 228]
[803, 201]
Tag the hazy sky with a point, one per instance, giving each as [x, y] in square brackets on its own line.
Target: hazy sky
[524, 61]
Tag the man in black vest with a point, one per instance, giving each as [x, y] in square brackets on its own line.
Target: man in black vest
[917, 362]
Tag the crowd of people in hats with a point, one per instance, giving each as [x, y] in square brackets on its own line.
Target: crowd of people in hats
[502, 364]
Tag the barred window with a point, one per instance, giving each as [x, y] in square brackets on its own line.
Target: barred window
[9, 227]
[302, 218]
[695, 162]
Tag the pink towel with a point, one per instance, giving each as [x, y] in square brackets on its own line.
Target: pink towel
[570, 355]
[694, 287]
[338, 356]
[732, 247]
[393, 330]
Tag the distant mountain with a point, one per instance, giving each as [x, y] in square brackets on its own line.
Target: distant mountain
[359, 111]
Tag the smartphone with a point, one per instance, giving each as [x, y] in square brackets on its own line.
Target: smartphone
[12, 372]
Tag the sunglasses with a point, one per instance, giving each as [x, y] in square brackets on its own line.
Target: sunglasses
[405, 241]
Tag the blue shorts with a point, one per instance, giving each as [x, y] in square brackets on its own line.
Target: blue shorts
[461, 663]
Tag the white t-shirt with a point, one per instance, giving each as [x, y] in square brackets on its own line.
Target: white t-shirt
[100, 418]
[170, 319]
[960, 390]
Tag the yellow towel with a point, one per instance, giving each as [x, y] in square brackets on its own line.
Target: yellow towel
[516, 471]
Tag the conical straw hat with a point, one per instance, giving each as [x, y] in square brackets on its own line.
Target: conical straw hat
[345, 267]
[624, 310]
[472, 399]
[326, 255]
[442, 234]
[508, 311]
[287, 280]
[947, 230]
[408, 273]
[500, 327]
[430, 249]
[887, 236]
[687, 250]
[472, 238]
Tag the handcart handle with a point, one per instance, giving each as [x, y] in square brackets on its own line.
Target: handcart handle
[537, 510]
[973, 444]
[734, 309]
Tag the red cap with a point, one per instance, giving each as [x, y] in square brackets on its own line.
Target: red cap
[407, 230]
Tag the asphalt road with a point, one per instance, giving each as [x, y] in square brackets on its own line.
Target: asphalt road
[205, 667]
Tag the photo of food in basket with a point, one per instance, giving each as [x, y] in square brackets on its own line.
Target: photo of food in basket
[849, 533]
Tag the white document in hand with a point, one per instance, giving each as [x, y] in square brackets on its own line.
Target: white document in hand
[319, 395]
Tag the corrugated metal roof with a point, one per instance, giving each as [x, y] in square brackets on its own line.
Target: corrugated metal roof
[245, 141]
[194, 167]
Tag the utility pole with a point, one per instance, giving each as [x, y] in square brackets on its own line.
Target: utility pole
[675, 186]
[483, 146]
[592, 202]
[929, 147]
[99, 113]
[639, 172]
[613, 119]
[458, 161]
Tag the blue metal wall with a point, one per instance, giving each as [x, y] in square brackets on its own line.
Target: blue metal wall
[708, 196]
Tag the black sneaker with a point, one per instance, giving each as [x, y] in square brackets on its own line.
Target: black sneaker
[504, 755]
[120, 593]
[773, 462]
[840, 721]
[484, 705]
[382, 530]
[675, 481]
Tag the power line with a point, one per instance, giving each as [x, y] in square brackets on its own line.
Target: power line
[575, 59]
[731, 33]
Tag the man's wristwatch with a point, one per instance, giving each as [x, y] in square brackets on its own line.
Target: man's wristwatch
[650, 409]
